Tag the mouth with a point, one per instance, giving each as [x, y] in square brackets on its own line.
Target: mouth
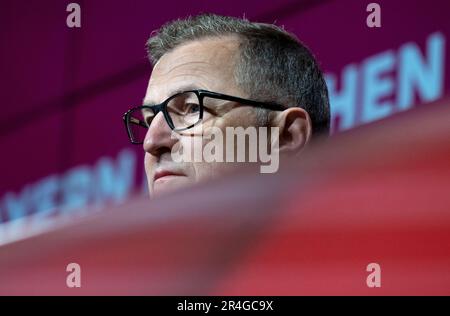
[166, 175]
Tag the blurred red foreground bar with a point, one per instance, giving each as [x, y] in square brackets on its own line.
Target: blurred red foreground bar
[376, 194]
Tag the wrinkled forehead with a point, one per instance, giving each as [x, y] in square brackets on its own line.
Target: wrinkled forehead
[201, 64]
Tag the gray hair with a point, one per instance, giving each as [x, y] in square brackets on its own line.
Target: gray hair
[273, 65]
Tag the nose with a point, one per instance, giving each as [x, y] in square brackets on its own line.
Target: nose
[158, 139]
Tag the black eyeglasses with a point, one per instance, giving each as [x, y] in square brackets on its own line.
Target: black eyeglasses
[181, 111]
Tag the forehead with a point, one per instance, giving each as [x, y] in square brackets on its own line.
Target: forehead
[201, 64]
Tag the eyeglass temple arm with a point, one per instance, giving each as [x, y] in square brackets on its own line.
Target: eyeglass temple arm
[266, 105]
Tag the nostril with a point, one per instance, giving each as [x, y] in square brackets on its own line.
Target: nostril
[159, 151]
[156, 145]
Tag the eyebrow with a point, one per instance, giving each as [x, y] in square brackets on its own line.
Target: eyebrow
[173, 92]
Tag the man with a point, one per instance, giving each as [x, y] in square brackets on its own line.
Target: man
[224, 72]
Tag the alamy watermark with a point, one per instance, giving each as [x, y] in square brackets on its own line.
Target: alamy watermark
[73, 279]
[373, 280]
[73, 20]
[374, 18]
[235, 144]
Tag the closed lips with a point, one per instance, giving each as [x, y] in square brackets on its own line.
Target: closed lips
[165, 173]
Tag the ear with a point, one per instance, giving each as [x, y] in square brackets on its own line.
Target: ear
[295, 129]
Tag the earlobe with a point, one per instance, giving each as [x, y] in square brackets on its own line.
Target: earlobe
[295, 130]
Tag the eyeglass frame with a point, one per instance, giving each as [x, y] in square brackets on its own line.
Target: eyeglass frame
[201, 94]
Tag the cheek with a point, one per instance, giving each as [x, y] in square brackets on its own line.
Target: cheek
[213, 170]
[149, 163]
[239, 117]
[206, 170]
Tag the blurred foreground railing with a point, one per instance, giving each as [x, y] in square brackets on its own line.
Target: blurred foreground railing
[377, 194]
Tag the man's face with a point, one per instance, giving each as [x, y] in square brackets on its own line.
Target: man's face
[204, 64]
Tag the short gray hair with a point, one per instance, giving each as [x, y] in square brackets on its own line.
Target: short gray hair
[273, 65]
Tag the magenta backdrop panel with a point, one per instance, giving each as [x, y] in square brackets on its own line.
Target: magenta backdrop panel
[64, 90]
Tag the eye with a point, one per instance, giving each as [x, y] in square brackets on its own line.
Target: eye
[192, 108]
[147, 118]
[148, 121]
